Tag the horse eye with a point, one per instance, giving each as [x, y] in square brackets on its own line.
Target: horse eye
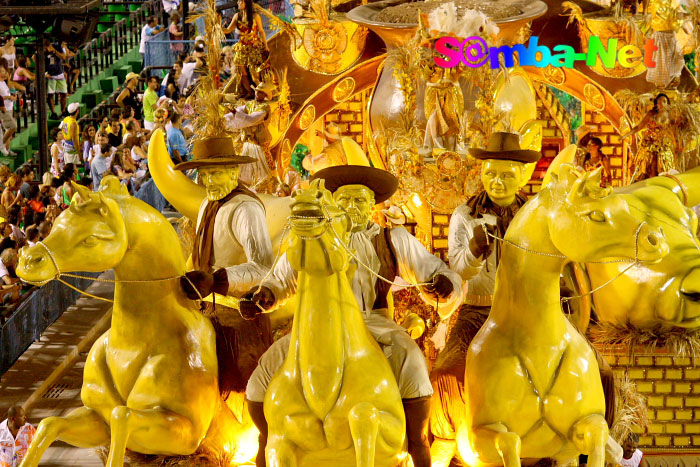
[90, 241]
[597, 216]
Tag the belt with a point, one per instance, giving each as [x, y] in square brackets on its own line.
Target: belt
[478, 300]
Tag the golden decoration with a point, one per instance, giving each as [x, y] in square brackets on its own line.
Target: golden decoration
[308, 115]
[554, 75]
[286, 153]
[594, 97]
[344, 89]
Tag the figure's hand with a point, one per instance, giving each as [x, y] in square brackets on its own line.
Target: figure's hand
[439, 288]
[481, 244]
[253, 303]
[205, 283]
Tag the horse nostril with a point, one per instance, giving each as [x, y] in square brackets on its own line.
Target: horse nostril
[653, 239]
[691, 296]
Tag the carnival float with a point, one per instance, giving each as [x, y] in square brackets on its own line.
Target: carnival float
[397, 263]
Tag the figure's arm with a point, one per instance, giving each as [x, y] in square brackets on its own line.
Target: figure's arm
[232, 25]
[121, 97]
[637, 128]
[248, 227]
[462, 260]
[240, 119]
[607, 173]
[417, 265]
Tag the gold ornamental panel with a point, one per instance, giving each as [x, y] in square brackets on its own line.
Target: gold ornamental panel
[594, 97]
[328, 46]
[343, 89]
[307, 117]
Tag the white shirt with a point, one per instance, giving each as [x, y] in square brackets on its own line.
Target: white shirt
[632, 461]
[186, 75]
[415, 265]
[13, 450]
[5, 94]
[3, 272]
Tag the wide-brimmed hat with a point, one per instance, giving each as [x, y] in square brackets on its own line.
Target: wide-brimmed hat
[129, 76]
[214, 151]
[394, 215]
[505, 146]
[358, 172]
[266, 88]
[332, 131]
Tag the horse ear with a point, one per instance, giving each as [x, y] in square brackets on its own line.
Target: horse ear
[83, 191]
[577, 190]
[104, 207]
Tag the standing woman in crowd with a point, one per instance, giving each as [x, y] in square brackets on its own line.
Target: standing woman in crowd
[11, 195]
[22, 75]
[128, 96]
[88, 140]
[9, 53]
[175, 32]
[57, 161]
[251, 49]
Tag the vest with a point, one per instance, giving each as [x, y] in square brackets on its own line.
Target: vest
[388, 268]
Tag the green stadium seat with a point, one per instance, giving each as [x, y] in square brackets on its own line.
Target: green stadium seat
[109, 85]
[121, 73]
[91, 99]
[136, 66]
[112, 8]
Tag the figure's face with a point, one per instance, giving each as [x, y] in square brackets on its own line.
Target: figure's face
[662, 103]
[19, 419]
[91, 131]
[177, 68]
[502, 179]
[628, 448]
[592, 147]
[219, 181]
[259, 96]
[357, 201]
[241, 4]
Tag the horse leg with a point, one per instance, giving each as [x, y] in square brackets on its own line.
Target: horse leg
[163, 431]
[590, 435]
[364, 425]
[280, 452]
[505, 442]
[442, 452]
[82, 427]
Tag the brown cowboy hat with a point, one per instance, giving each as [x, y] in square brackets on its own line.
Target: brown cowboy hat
[381, 182]
[213, 151]
[506, 146]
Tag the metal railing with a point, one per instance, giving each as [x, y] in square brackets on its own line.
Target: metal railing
[99, 53]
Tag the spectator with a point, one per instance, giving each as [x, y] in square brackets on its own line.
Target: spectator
[186, 75]
[228, 65]
[176, 33]
[631, 455]
[71, 135]
[67, 192]
[22, 73]
[32, 235]
[45, 186]
[34, 197]
[11, 195]
[116, 133]
[104, 124]
[8, 263]
[7, 119]
[27, 175]
[177, 145]
[56, 78]
[44, 229]
[150, 97]
[128, 96]
[100, 164]
[147, 32]
[71, 67]
[170, 7]
[56, 150]
[5, 232]
[133, 143]
[171, 81]
[88, 141]
[161, 117]
[130, 132]
[15, 437]
[9, 53]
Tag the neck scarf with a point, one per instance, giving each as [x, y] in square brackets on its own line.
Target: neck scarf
[481, 204]
[204, 240]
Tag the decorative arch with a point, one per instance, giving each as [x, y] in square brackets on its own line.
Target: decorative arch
[357, 79]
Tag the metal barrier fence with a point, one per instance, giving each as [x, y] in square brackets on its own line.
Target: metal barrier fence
[100, 53]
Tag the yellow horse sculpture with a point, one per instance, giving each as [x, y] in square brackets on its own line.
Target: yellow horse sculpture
[533, 386]
[150, 382]
[334, 401]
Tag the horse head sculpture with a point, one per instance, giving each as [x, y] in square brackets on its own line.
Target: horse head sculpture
[533, 384]
[334, 401]
[150, 382]
[89, 236]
